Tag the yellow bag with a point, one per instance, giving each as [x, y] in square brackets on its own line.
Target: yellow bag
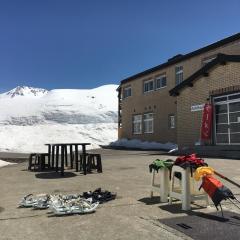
[202, 171]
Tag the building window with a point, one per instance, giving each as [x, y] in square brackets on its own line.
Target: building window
[179, 74]
[161, 81]
[127, 92]
[148, 86]
[137, 124]
[148, 122]
[172, 122]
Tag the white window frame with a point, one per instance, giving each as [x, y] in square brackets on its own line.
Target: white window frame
[147, 82]
[160, 78]
[137, 121]
[178, 74]
[146, 121]
[126, 92]
[172, 121]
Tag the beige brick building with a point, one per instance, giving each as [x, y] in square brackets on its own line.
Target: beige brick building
[164, 103]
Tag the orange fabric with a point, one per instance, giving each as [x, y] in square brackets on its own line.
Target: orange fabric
[211, 184]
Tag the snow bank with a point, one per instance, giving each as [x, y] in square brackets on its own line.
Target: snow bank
[28, 139]
[4, 163]
[135, 143]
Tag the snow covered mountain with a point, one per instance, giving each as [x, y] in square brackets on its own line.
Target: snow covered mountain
[26, 91]
[29, 106]
[31, 117]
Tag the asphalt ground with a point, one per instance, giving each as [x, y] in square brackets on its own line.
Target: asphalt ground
[133, 215]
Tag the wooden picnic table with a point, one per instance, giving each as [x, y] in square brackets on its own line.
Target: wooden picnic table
[55, 147]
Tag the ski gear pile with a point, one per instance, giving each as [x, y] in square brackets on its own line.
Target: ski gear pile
[99, 196]
[59, 204]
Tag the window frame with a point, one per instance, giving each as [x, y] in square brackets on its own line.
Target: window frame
[145, 121]
[178, 73]
[171, 116]
[126, 89]
[160, 77]
[147, 82]
[135, 122]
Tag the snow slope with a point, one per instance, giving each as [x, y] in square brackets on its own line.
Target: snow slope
[31, 117]
[72, 106]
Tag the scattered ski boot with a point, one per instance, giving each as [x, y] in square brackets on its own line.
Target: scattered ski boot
[74, 206]
[38, 201]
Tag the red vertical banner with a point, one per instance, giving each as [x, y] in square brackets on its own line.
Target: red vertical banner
[206, 128]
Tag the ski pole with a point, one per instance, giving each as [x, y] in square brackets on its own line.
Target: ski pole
[227, 179]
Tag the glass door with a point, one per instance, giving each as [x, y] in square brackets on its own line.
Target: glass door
[227, 119]
[234, 122]
[221, 124]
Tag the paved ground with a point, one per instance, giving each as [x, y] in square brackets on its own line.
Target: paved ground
[131, 216]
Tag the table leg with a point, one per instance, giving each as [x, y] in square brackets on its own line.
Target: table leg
[53, 153]
[42, 160]
[62, 160]
[49, 155]
[71, 157]
[99, 163]
[66, 156]
[76, 157]
[84, 159]
[57, 157]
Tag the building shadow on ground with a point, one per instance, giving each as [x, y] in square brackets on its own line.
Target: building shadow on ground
[176, 208]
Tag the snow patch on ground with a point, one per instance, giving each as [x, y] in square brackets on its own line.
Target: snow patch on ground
[4, 163]
[135, 143]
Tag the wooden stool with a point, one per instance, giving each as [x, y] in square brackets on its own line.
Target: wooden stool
[93, 161]
[37, 161]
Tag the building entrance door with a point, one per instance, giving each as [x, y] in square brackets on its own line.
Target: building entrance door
[227, 119]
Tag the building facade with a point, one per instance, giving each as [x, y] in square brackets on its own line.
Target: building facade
[164, 103]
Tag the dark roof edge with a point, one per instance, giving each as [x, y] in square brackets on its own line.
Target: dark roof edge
[184, 57]
[221, 58]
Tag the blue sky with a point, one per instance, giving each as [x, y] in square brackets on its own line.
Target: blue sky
[85, 44]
